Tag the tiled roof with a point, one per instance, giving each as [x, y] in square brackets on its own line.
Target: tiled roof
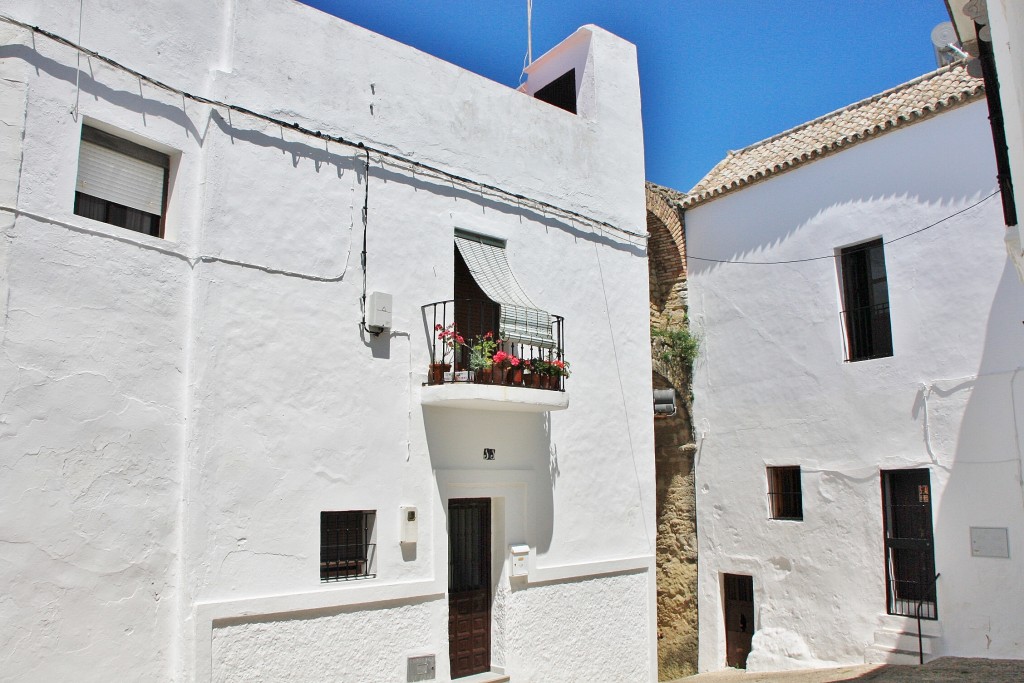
[946, 88]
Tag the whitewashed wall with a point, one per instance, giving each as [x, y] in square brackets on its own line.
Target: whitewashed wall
[771, 388]
[171, 427]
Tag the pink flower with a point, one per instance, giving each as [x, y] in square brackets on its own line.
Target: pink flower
[488, 335]
[500, 357]
[513, 361]
[438, 327]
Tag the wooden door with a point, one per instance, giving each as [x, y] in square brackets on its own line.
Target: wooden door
[469, 585]
[739, 618]
[909, 543]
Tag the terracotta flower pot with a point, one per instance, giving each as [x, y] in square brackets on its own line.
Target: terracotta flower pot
[514, 376]
[437, 371]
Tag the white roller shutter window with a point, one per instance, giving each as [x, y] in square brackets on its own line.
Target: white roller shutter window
[120, 178]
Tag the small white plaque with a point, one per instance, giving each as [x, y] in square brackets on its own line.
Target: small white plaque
[990, 541]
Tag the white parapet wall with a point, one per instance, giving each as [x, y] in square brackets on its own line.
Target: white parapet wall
[178, 411]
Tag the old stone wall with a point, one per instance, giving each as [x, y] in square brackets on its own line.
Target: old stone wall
[674, 447]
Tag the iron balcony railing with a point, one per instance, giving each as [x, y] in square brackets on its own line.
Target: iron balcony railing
[868, 332]
[476, 322]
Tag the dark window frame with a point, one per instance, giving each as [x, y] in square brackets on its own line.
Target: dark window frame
[785, 493]
[346, 545]
[865, 291]
[112, 213]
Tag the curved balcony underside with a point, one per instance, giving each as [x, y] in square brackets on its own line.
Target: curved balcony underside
[493, 397]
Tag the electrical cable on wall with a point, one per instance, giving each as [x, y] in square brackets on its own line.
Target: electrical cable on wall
[78, 61]
[409, 164]
[362, 255]
[833, 256]
[622, 395]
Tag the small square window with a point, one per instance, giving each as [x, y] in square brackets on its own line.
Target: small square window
[785, 497]
[121, 183]
[346, 547]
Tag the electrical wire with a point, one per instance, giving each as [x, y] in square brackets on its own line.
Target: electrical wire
[832, 256]
[411, 164]
[362, 256]
[78, 61]
[622, 397]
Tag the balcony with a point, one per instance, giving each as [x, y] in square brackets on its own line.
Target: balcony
[484, 356]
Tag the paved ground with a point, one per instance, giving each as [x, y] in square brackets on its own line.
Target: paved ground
[942, 669]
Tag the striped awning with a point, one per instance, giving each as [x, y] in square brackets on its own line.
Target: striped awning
[520, 320]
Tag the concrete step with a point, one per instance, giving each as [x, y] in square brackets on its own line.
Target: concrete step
[874, 654]
[929, 627]
[486, 677]
[905, 642]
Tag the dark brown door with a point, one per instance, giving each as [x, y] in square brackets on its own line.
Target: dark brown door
[739, 618]
[909, 546]
[469, 585]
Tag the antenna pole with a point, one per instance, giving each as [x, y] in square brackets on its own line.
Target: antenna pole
[529, 32]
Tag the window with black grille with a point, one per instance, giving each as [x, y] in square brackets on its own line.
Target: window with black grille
[560, 92]
[865, 301]
[121, 183]
[785, 497]
[346, 547]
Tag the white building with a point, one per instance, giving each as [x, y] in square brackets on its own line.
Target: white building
[192, 412]
[857, 400]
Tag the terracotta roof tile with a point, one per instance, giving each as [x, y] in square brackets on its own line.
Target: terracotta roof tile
[946, 88]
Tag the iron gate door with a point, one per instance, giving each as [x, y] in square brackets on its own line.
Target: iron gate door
[739, 618]
[909, 543]
[469, 585]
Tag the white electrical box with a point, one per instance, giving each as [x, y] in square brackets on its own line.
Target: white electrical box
[408, 524]
[520, 559]
[378, 311]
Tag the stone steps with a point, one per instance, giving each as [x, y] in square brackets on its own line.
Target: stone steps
[896, 642]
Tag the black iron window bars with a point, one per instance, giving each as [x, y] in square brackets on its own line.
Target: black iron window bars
[345, 549]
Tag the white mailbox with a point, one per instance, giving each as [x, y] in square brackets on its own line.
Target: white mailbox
[408, 524]
[520, 558]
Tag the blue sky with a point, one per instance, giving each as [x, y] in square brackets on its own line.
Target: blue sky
[715, 75]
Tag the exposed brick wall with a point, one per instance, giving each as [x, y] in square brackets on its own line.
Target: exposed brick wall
[674, 448]
[666, 248]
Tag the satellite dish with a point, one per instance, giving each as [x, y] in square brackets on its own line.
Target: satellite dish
[943, 35]
[946, 45]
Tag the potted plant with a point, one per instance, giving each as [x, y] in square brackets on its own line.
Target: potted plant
[510, 365]
[558, 369]
[481, 357]
[534, 369]
[450, 340]
[548, 372]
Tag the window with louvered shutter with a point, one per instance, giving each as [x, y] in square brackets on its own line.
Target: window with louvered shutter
[121, 182]
[519, 319]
